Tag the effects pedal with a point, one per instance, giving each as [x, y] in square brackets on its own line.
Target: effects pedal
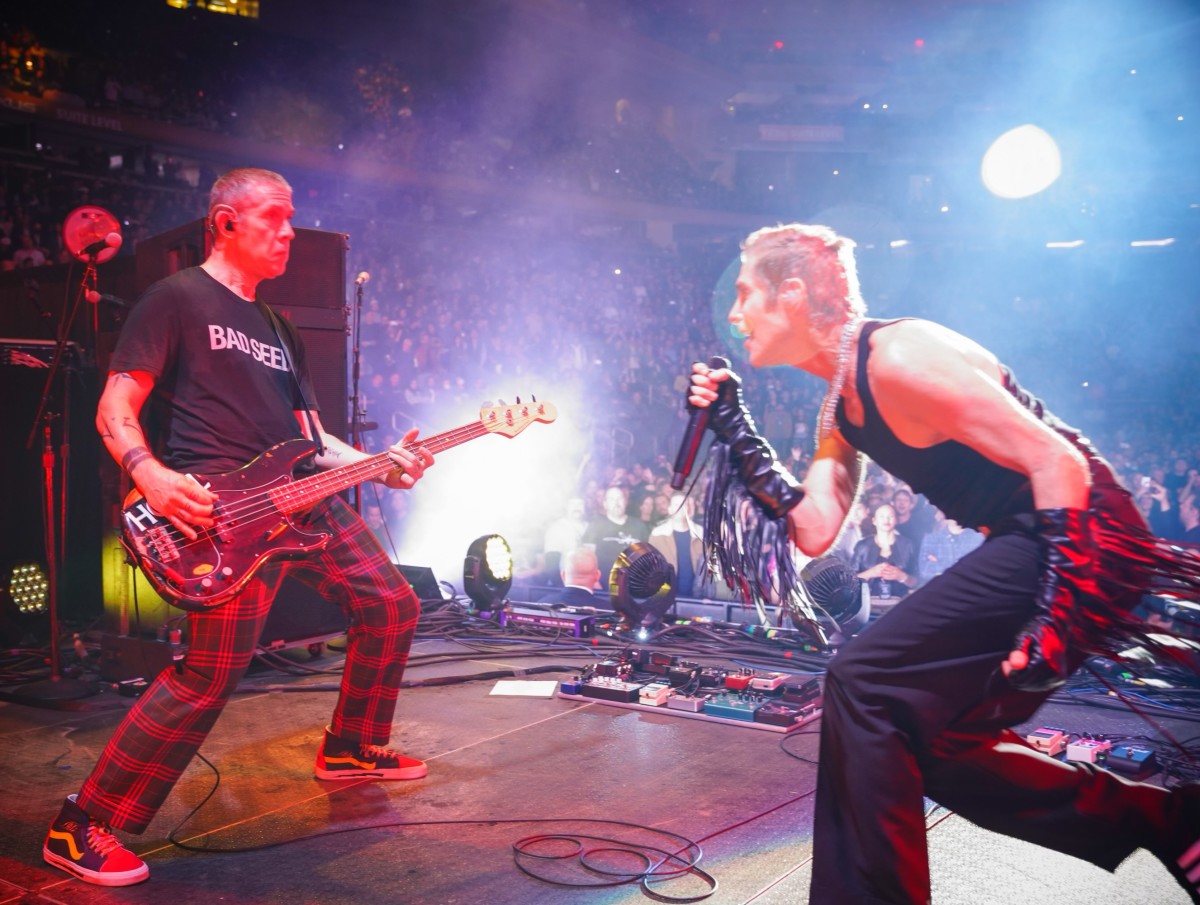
[779, 713]
[682, 674]
[656, 694]
[1048, 740]
[1089, 750]
[606, 688]
[740, 680]
[806, 694]
[768, 681]
[1132, 760]
[685, 702]
[571, 685]
[731, 706]
[659, 664]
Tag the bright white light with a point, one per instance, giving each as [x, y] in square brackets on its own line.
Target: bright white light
[513, 487]
[617, 271]
[1021, 162]
[1150, 243]
[837, 172]
[945, 208]
[898, 243]
[1074, 243]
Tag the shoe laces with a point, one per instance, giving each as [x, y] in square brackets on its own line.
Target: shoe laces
[100, 838]
[377, 751]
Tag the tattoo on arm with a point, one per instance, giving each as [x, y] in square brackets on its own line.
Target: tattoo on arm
[120, 375]
[134, 458]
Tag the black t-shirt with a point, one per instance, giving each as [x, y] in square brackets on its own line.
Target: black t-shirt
[223, 392]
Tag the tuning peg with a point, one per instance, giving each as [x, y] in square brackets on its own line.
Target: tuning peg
[518, 400]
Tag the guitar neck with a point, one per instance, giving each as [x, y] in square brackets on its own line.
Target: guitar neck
[301, 494]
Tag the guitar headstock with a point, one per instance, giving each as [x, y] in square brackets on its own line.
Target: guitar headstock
[510, 419]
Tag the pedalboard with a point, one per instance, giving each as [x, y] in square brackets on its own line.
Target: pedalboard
[655, 681]
[1134, 761]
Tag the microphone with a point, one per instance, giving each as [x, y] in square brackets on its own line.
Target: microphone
[697, 425]
[112, 240]
[362, 279]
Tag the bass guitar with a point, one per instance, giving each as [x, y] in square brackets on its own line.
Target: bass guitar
[254, 508]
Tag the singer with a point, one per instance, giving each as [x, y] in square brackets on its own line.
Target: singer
[921, 702]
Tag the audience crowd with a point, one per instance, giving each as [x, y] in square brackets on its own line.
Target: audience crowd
[453, 304]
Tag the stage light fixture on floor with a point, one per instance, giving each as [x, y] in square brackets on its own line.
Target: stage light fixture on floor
[842, 598]
[642, 586]
[487, 571]
[28, 588]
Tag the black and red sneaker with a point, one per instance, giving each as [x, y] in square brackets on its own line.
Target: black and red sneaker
[342, 759]
[87, 849]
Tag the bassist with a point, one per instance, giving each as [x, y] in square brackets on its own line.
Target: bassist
[223, 379]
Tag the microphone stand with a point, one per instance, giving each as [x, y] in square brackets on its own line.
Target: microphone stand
[356, 408]
[54, 507]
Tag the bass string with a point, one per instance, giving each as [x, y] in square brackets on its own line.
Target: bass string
[261, 506]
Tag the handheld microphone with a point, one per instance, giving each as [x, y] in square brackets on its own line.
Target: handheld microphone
[362, 279]
[112, 240]
[697, 425]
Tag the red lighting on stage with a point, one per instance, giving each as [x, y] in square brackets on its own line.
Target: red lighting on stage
[778, 45]
[919, 43]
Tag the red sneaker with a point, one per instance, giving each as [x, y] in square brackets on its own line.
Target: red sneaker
[87, 848]
[341, 759]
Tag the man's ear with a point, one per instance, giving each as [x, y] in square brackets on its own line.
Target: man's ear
[792, 291]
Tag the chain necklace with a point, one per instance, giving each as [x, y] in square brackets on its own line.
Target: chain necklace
[825, 417]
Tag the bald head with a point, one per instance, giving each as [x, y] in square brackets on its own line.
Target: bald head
[580, 568]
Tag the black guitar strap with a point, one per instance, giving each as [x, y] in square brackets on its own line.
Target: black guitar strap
[288, 354]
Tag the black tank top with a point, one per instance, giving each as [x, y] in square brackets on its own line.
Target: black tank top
[967, 486]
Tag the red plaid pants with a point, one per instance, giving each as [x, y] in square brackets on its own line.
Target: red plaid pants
[168, 723]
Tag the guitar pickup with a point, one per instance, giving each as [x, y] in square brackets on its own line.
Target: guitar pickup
[221, 526]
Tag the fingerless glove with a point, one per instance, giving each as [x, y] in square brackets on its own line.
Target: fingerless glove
[758, 468]
[1066, 562]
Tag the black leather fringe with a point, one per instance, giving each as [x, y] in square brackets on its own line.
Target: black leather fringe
[1132, 563]
[751, 551]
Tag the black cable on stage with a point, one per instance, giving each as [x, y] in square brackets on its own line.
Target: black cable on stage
[655, 870]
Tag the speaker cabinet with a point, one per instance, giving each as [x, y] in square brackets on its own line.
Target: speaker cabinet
[76, 448]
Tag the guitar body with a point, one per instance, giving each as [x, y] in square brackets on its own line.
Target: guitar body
[250, 529]
[254, 506]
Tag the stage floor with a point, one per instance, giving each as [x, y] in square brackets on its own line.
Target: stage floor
[501, 769]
